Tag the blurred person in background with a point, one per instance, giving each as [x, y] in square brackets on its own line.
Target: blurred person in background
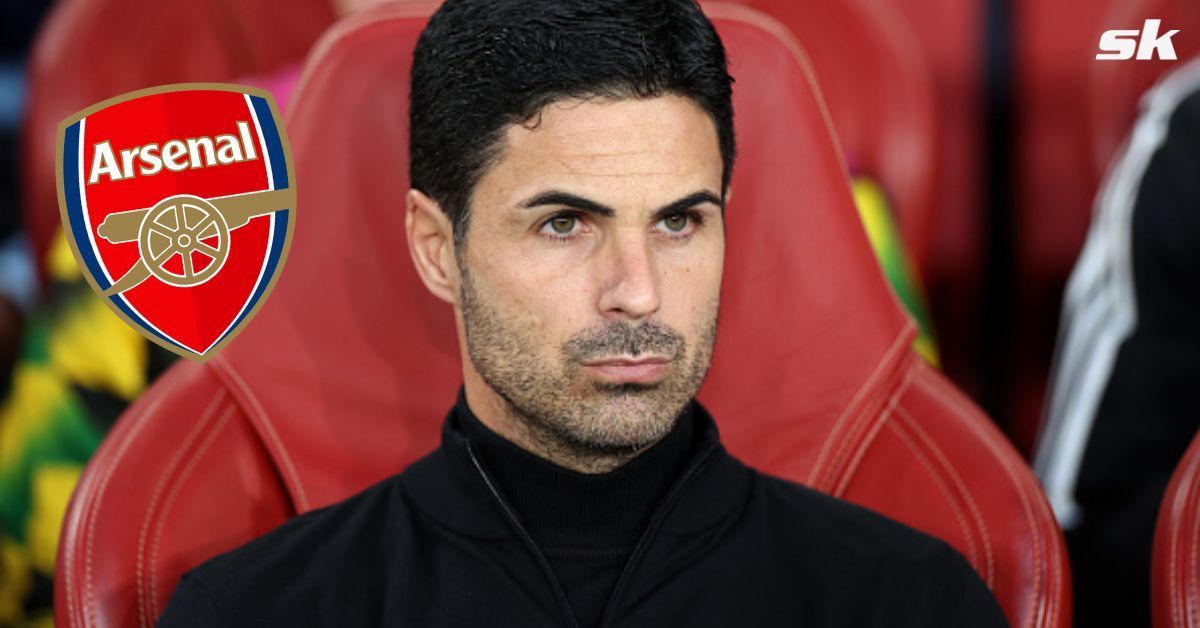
[20, 589]
[78, 366]
[1123, 406]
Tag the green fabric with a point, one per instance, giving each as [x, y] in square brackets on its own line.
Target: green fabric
[879, 222]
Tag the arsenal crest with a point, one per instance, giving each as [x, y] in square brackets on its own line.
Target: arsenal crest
[179, 202]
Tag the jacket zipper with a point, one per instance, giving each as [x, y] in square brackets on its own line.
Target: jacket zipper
[559, 595]
[651, 531]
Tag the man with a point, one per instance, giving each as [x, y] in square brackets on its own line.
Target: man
[570, 163]
[1123, 406]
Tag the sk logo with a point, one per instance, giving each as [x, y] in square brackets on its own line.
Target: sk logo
[179, 202]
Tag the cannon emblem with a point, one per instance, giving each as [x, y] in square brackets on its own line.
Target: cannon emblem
[179, 203]
[181, 225]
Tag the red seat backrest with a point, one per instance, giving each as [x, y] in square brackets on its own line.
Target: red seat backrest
[950, 34]
[91, 50]
[348, 370]
[881, 100]
[1175, 571]
[951, 37]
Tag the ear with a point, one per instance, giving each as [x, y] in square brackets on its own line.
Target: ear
[431, 243]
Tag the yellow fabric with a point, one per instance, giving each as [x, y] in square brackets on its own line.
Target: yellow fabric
[34, 392]
[52, 487]
[45, 621]
[927, 349]
[95, 349]
[60, 261]
[44, 431]
[15, 576]
[875, 212]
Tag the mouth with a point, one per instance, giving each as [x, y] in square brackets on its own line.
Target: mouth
[643, 370]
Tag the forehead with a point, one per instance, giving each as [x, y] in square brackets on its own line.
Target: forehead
[601, 144]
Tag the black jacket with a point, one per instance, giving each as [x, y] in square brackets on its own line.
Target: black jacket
[1124, 387]
[438, 545]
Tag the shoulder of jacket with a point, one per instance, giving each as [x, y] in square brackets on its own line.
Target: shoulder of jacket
[318, 538]
[852, 530]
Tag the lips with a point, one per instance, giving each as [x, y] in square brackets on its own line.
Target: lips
[645, 370]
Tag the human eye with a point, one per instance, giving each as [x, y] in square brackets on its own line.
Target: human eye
[681, 224]
[561, 226]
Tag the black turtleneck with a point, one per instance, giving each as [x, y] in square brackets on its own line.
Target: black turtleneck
[586, 525]
[430, 546]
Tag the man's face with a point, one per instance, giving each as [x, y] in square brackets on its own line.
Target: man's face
[592, 267]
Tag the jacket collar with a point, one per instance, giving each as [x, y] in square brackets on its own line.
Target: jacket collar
[451, 488]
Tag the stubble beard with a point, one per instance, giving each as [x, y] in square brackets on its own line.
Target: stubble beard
[566, 416]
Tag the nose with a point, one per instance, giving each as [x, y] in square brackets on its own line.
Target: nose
[629, 278]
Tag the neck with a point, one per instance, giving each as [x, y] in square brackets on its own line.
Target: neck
[557, 503]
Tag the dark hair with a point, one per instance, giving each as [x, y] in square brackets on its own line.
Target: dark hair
[481, 65]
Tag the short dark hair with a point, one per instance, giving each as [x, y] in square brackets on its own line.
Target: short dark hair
[481, 65]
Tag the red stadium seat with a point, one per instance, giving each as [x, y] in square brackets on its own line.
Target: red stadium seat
[348, 370]
[950, 37]
[880, 97]
[90, 50]
[950, 34]
[1175, 573]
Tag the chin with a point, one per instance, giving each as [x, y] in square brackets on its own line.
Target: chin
[629, 417]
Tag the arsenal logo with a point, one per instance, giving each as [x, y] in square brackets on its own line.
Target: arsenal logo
[179, 202]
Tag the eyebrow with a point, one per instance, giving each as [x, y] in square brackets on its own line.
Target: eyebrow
[558, 197]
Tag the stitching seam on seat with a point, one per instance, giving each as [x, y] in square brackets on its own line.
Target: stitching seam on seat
[265, 421]
[1190, 588]
[899, 430]
[193, 434]
[852, 466]
[1180, 531]
[1174, 599]
[901, 341]
[1193, 530]
[761, 21]
[867, 441]
[162, 519]
[1041, 615]
[139, 421]
[963, 491]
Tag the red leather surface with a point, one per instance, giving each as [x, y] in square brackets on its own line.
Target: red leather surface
[347, 371]
[938, 464]
[881, 98]
[90, 50]
[181, 477]
[950, 34]
[1175, 572]
[1054, 49]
